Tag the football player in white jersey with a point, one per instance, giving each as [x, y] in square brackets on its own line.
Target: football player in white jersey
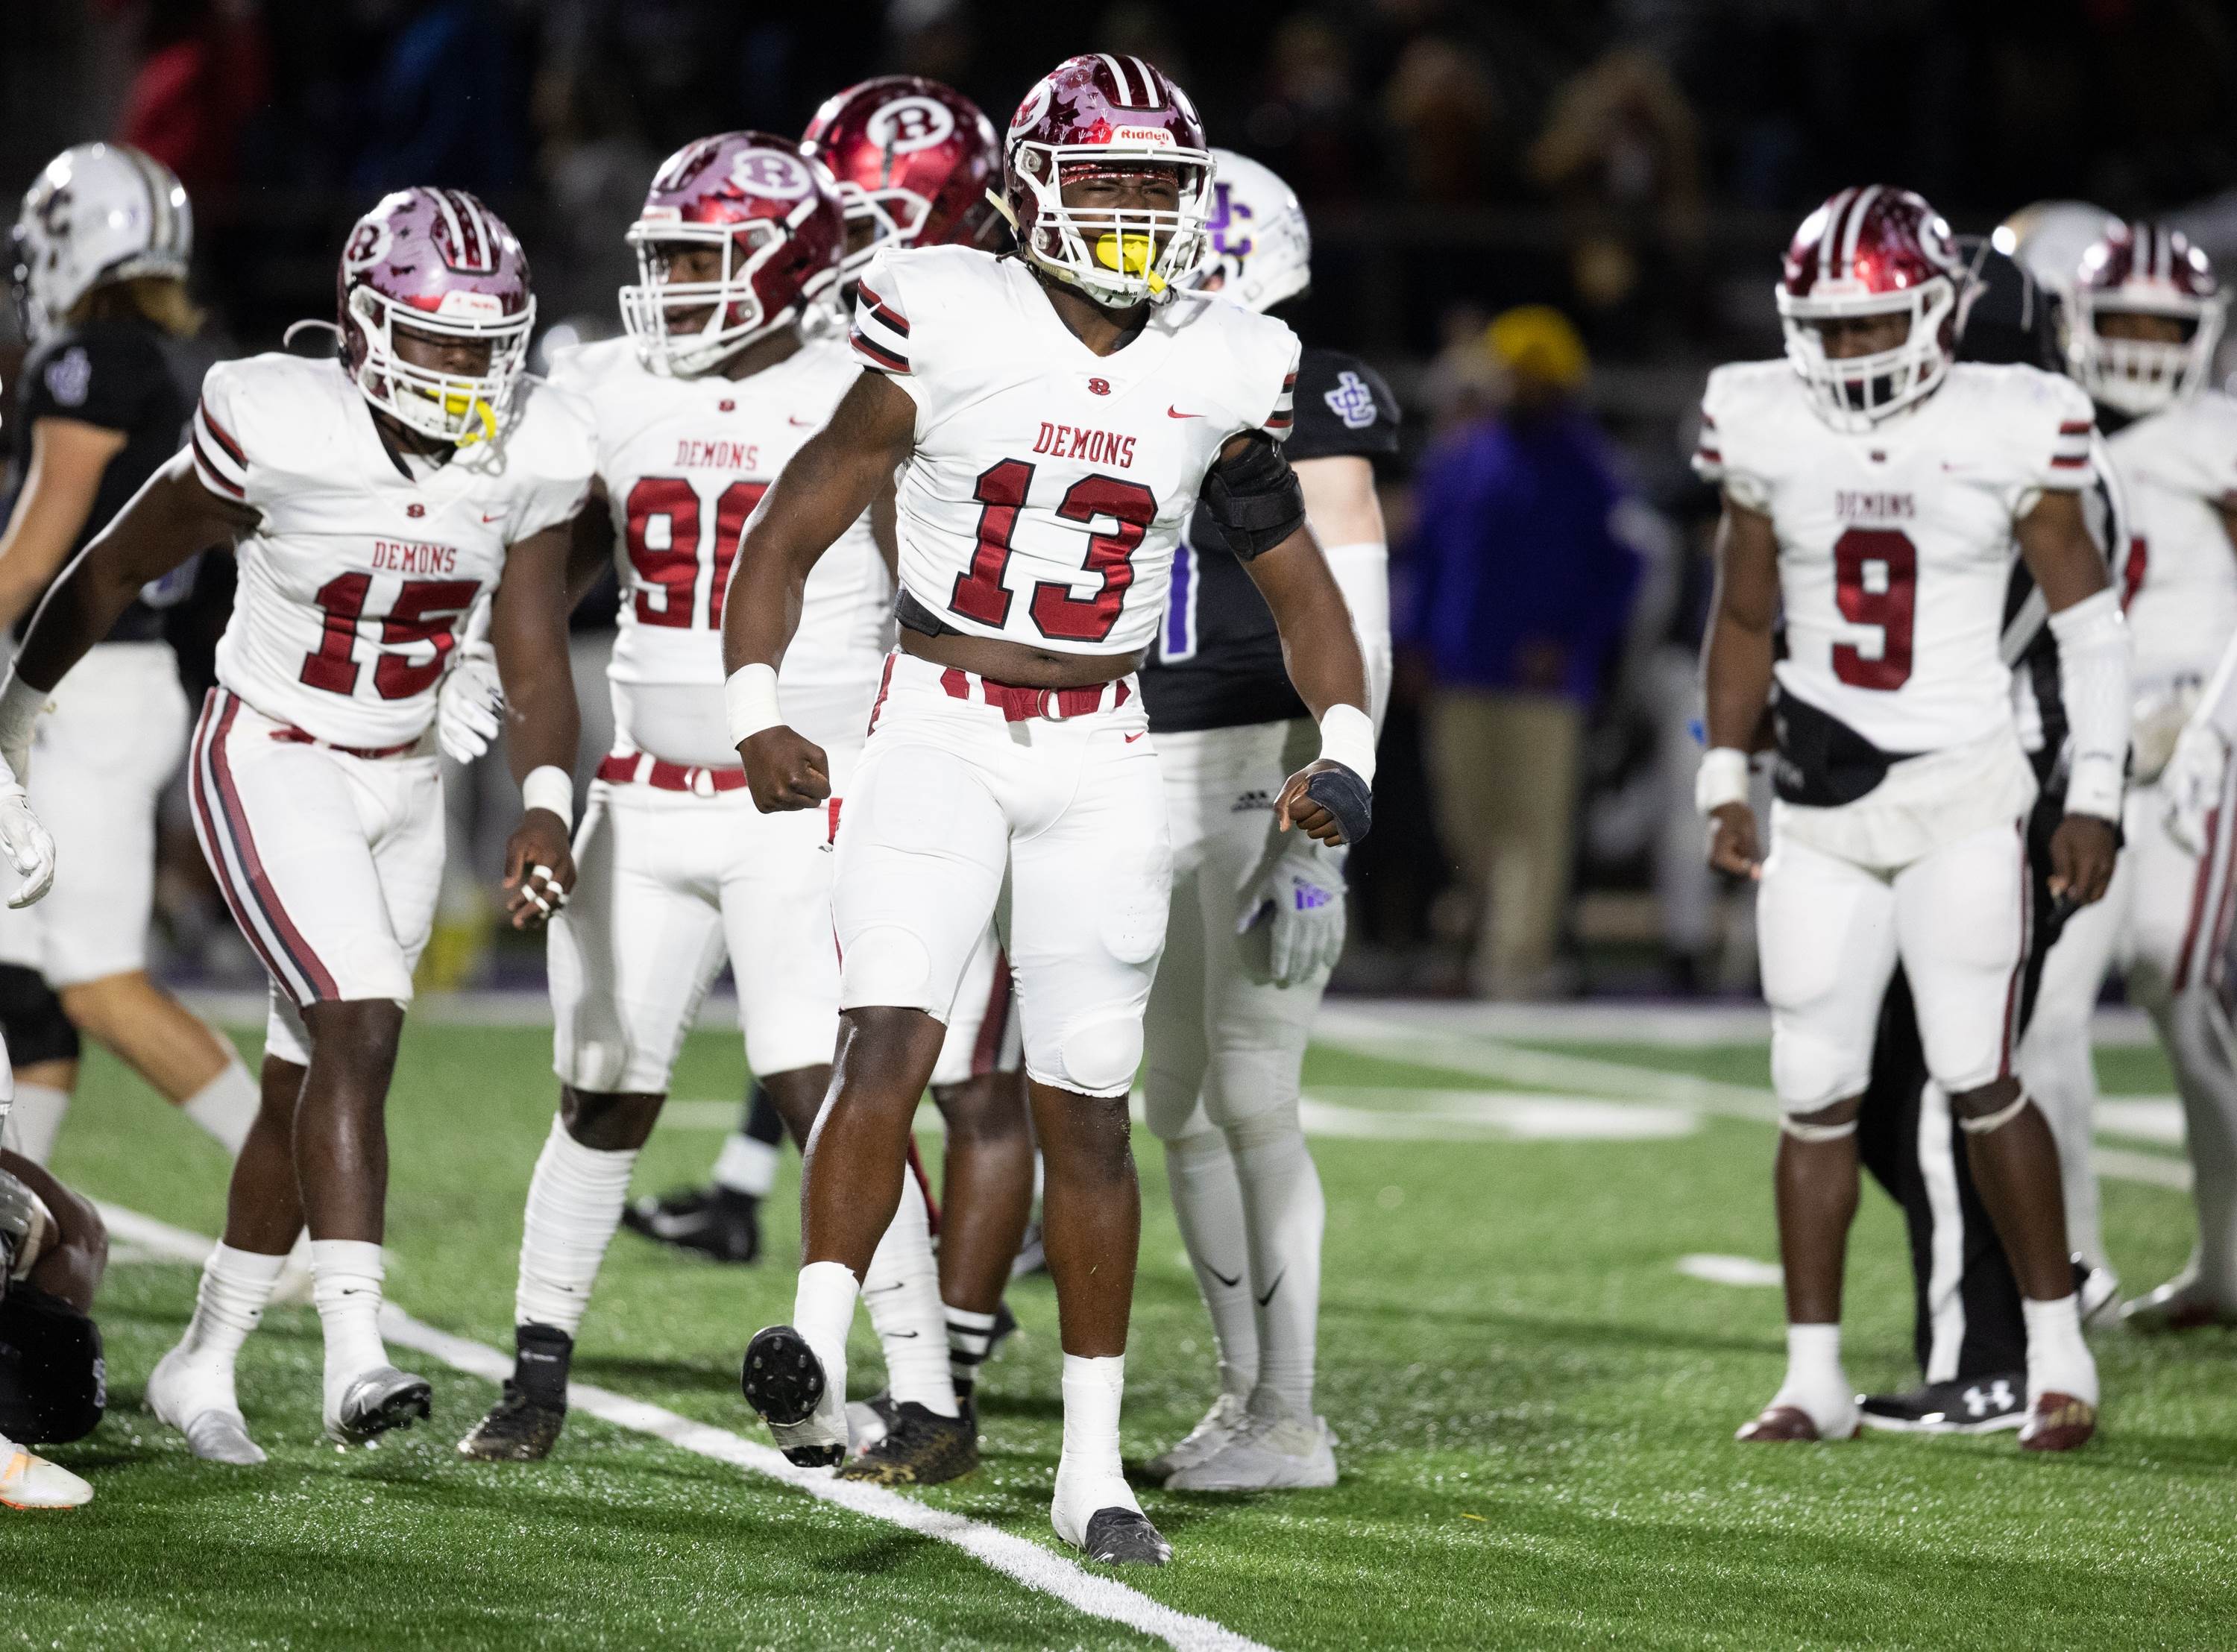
[1053, 417]
[372, 497]
[715, 386]
[1872, 491]
[2144, 315]
[912, 159]
[1258, 915]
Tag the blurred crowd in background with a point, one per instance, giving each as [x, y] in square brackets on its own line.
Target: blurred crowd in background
[1543, 219]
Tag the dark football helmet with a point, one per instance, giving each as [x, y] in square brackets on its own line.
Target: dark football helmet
[914, 161]
[1102, 112]
[438, 262]
[1871, 251]
[774, 215]
[2150, 270]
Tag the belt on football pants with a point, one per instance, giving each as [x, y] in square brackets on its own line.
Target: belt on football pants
[303, 737]
[643, 768]
[1019, 704]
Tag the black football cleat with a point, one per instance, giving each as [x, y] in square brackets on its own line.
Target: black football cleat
[784, 1381]
[1962, 1406]
[919, 1447]
[1125, 1536]
[516, 1430]
[716, 1222]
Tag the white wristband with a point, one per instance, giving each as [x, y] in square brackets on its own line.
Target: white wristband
[550, 788]
[749, 701]
[1722, 779]
[20, 706]
[1348, 737]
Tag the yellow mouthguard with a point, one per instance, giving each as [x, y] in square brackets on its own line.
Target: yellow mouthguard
[1138, 250]
[455, 403]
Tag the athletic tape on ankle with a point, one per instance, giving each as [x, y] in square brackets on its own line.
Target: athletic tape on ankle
[1994, 1121]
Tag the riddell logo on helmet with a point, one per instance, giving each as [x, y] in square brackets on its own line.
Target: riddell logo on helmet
[475, 304]
[1156, 136]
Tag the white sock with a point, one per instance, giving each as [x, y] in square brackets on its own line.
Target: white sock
[2059, 1361]
[1815, 1381]
[228, 1305]
[575, 1203]
[746, 1166]
[1093, 1390]
[1284, 1213]
[1208, 1205]
[227, 1106]
[901, 1290]
[969, 1336]
[36, 1120]
[823, 1312]
[346, 1275]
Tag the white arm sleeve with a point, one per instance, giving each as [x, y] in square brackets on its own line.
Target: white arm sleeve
[1362, 574]
[2093, 677]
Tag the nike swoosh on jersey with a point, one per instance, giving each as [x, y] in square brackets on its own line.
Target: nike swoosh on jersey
[1131, 739]
[1173, 412]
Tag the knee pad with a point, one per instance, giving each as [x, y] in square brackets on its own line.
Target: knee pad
[887, 965]
[1099, 1056]
[32, 1019]
[1274, 1125]
[1809, 1072]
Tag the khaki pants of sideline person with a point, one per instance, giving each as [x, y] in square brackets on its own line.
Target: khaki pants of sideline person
[1506, 771]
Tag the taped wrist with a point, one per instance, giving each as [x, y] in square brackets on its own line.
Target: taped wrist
[1255, 496]
[749, 701]
[1722, 779]
[2093, 678]
[549, 786]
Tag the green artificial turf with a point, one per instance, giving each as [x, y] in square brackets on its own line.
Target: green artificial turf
[1535, 1411]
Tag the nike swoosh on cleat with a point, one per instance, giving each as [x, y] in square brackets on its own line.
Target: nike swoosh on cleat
[1275, 1286]
[1173, 412]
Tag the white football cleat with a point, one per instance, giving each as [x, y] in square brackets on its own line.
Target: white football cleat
[376, 1401]
[29, 1481]
[1097, 1515]
[192, 1402]
[1219, 1425]
[1269, 1453]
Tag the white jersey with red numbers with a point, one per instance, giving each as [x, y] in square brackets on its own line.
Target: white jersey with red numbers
[363, 565]
[1895, 545]
[2179, 570]
[683, 462]
[1048, 485]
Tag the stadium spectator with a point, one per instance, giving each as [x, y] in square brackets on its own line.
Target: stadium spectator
[1519, 588]
[203, 76]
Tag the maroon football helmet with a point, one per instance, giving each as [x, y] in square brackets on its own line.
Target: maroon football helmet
[773, 213]
[1871, 251]
[1101, 112]
[2144, 269]
[439, 263]
[913, 159]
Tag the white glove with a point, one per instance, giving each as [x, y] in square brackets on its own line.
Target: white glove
[2192, 783]
[469, 705]
[28, 846]
[1305, 888]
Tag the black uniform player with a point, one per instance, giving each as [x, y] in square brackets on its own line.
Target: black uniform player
[1258, 915]
[53, 1383]
[1968, 1334]
[102, 249]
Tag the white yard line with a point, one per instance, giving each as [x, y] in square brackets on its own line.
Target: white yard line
[1376, 1031]
[1016, 1557]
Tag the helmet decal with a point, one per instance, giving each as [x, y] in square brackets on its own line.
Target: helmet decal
[908, 124]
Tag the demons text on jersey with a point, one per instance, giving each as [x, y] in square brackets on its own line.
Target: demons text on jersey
[1074, 442]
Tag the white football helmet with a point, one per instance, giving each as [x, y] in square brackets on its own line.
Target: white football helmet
[99, 212]
[1257, 240]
